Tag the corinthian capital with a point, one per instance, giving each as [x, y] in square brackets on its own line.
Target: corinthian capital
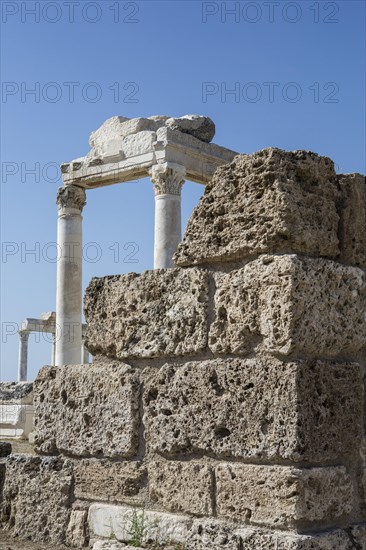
[168, 178]
[71, 196]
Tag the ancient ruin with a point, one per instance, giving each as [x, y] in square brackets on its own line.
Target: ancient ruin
[225, 407]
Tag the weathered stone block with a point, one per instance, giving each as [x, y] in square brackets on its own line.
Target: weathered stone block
[352, 232]
[288, 304]
[37, 497]
[103, 480]
[255, 408]
[282, 496]
[333, 540]
[87, 410]
[270, 201]
[161, 312]
[107, 521]
[76, 536]
[211, 534]
[181, 487]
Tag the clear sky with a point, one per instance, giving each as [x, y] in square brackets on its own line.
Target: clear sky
[284, 74]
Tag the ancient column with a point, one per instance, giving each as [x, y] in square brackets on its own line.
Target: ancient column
[70, 201]
[23, 355]
[53, 356]
[168, 179]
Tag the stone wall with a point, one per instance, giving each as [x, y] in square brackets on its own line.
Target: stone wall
[226, 398]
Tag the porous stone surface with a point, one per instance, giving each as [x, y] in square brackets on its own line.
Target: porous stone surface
[76, 535]
[334, 540]
[352, 232]
[282, 496]
[270, 201]
[104, 480]
[200, 127]
[160, 312]
[289, 304]
[87, 410]
[358, 536]
[211, 534]
[181, 487]
[16, 391]
[37, 497]
[258, 408]
[108, 521]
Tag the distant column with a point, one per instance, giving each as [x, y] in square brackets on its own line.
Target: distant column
[168, 179]
[53, 357]
[70, 201]
[23, 356]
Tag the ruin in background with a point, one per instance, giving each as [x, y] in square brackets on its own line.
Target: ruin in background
[227, 394]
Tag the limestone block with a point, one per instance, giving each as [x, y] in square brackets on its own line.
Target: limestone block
[137, 144]
[282, 496]
[76, 530]
[107, 521]
[37, 496]
[87, 410]
[211, 534]
[270, 201]
[181, 487]
[216, 535]
[288, 304]
[334, 540]
[118, 127]
[352, 232]
[103, 480]
[161, 312]
[255, 408]
[200, 127]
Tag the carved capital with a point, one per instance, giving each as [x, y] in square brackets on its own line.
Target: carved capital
[71, 196]
[168, 178]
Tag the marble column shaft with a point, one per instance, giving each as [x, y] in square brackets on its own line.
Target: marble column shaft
[70, 201]
[168, 179]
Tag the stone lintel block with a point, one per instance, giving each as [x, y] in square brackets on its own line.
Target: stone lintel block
[37, 497]
[104, 480]
[259, 408]
[270, 201]
[181, 487]
[352, 232]
[290, 305]
[281, 496]
[87, 410]
[160, 312]
[109, 521]
[211, 534]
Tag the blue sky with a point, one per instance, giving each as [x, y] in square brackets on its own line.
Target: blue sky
[296, 72]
